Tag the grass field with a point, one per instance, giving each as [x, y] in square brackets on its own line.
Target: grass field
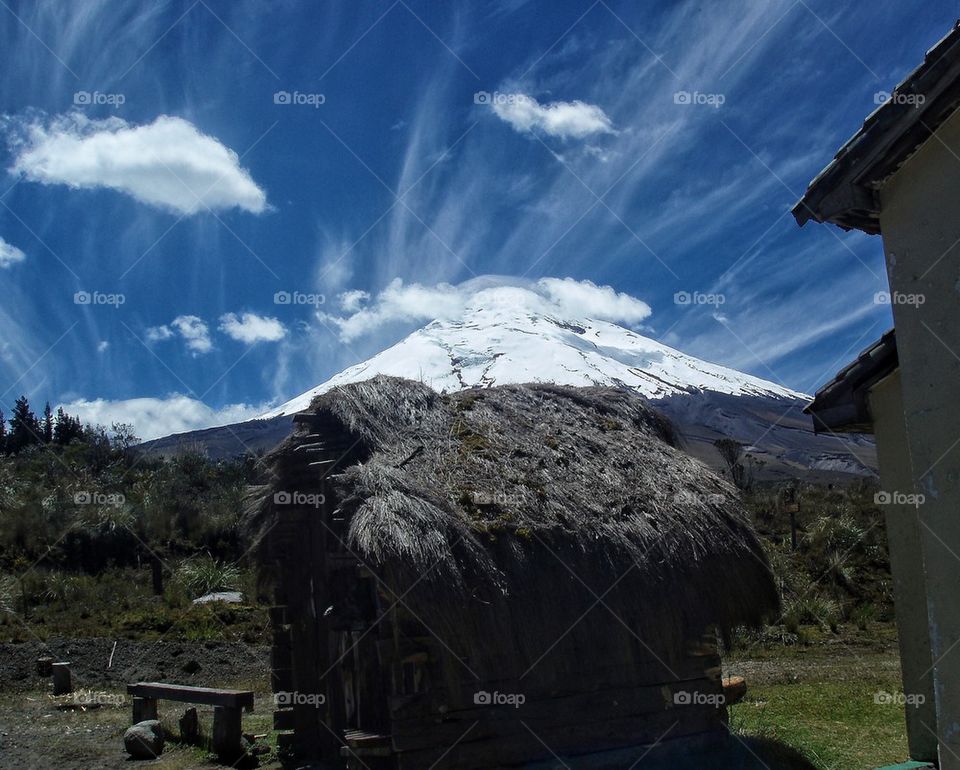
[822, 698]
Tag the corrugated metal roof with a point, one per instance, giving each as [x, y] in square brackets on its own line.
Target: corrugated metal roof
[845, 192]
[841, 405]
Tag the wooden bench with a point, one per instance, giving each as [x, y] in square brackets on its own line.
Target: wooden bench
[228, 706]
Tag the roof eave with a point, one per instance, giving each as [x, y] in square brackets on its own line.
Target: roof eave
[842, 405]
[845, 192]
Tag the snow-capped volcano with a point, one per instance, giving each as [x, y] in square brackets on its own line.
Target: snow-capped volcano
[500, 344]
[488, 346]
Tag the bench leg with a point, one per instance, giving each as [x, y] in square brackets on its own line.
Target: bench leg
[144, 709]
[227, 732]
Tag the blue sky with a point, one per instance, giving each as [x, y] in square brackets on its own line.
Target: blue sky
[169, 168]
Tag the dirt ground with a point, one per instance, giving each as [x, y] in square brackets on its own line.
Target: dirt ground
[86, 731]
[40, 731]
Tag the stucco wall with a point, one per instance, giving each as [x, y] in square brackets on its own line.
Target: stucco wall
[906, 563]
[920, 220]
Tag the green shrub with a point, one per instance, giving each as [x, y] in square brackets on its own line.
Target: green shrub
[813, 610]
[864, 614]
[203, 574]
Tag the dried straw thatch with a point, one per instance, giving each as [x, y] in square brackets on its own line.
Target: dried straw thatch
[516, 510]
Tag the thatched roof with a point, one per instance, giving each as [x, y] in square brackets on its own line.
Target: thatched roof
[522, 505]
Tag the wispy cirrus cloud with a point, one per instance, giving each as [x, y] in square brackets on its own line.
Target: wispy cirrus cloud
[168, 163]
[10, 255]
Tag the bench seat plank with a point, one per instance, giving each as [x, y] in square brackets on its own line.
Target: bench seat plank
[207, 696]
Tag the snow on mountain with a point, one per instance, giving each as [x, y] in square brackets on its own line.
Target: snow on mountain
[498, 344]
[489, 346]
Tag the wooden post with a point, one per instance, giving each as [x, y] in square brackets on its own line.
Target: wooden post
[62, 681]
[791, 504]
[144, 709]
[794, 509]
[156, 573]
[332, 686]
[227, 732]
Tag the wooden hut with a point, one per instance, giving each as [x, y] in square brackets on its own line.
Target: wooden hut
[497, 577]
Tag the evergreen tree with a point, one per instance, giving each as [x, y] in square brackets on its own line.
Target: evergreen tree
[66, 428]
[25, 429]
[47, 424]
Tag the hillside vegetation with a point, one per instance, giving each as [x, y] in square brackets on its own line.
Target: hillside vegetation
[96, 538]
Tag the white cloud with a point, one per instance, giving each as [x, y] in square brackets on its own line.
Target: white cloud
[564, 297]
[194, 331]
[585, 298]
[168, 163]
[10, 254]
[251, 328]
[352, 301]
[191, 328]
[561, 119]
[155, 417]
[159, 333]
[103, 346]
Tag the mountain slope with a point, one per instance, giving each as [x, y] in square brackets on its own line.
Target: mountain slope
[491, 346]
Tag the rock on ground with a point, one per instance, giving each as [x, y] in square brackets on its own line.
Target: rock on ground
[144, 740]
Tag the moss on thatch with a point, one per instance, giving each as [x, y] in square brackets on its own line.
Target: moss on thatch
[517, 509]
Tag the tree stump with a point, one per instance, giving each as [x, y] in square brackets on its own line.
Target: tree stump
[44, 665]
[62, 680]
[734, 689]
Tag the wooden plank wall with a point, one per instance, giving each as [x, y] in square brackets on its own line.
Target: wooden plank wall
[601, 705]
[421, 690]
